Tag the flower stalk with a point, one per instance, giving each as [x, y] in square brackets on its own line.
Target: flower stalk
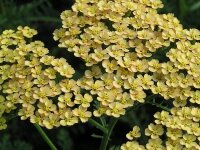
[98, 125]
[45, 137]
[107, 135]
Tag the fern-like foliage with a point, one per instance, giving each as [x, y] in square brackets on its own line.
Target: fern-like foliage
[33, 13]
[7, 144]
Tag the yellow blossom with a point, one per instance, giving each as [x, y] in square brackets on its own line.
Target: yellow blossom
[116, 109]
[135, 133]
[154, 131]
[65, 100]
[69, 119]
[132, 145]
[82, 113]
[84, 101]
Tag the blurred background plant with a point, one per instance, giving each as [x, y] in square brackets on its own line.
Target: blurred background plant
[44, 16]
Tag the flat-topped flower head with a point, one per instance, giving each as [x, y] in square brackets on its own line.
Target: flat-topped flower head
[130, 51]
[29, 80]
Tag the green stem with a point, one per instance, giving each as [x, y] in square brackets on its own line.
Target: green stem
[103, 121]
[45, 137]
[96, 136]
[97, 125]
[135, 106]
[138, 104]
[152, 97]
[107, 135]
[113, 122]
[159, 106]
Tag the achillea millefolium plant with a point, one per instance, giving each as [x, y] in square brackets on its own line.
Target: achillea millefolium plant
[120, 42]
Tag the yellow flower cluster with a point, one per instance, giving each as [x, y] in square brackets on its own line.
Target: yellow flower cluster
[120, 39]
[182, 131]
[28, 83]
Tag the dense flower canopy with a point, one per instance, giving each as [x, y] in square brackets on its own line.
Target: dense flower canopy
[131, 51]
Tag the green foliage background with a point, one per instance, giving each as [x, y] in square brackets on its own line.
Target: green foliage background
[44, 16]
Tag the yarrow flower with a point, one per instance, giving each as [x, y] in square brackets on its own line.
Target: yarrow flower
[123, 43]
[135, 133]
[28, 78]
[119, 42]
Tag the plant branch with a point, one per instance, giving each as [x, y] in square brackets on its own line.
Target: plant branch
[45, 137]
[107, 135]
[97, 125]
[138, 104]
[158, 105]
